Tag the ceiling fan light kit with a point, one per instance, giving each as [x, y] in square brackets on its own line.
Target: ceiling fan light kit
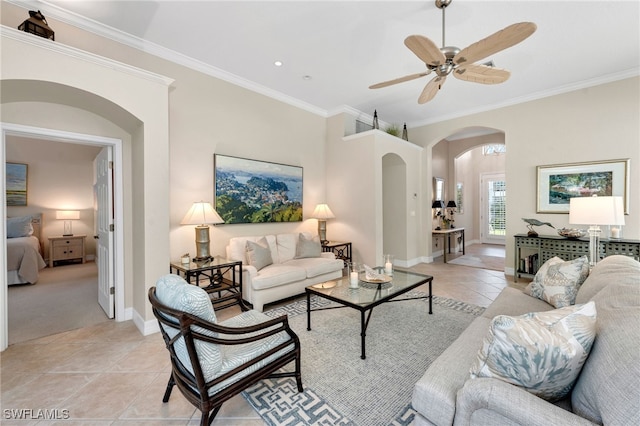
[460, 62]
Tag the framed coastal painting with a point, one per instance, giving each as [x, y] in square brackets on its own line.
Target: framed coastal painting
[558, 183]
[253, 191]
[16, 184]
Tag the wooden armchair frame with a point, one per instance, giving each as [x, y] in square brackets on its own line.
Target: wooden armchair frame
[193, 386]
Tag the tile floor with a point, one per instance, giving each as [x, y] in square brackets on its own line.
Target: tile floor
[108, 374]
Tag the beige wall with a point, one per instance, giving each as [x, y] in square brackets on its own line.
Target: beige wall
[60, 177]
[174, 133]
[597, 123]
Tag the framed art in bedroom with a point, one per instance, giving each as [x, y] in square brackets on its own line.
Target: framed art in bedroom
[253, 191]
[16, 184]
[558, 183]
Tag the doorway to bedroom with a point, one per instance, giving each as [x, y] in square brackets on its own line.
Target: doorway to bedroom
[65, 296]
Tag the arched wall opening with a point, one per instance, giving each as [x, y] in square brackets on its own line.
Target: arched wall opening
[447, 159]
[133, 100]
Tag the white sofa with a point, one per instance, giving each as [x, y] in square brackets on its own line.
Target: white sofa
[287, 276]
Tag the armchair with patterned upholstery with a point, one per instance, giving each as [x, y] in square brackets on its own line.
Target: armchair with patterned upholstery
[213, 361]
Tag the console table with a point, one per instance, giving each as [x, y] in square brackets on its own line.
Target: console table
[532, 252]
[446, 236]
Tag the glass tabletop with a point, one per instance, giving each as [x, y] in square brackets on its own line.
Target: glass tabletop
[369, 293]
[215, 262]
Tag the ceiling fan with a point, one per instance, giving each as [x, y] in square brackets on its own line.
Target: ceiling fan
[449, 59]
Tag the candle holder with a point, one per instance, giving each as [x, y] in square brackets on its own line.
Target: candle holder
[353, 272]
[387, 263]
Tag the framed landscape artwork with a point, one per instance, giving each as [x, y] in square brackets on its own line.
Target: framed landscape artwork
[252, 191]
[16, 184]
[557, 184]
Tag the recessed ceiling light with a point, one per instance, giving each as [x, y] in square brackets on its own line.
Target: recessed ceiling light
[278, 63]
[306, 77]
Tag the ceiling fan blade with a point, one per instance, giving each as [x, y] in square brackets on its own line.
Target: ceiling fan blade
[477, 73]
[425, 49]
[431, 89]
[507, 37]
[399, 80]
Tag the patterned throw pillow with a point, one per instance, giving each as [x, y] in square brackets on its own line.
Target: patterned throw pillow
[308, 246]
[541, 352]
[258, 253]
[557, 282]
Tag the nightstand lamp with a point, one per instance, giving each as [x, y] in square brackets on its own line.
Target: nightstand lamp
[202, 214]
[67, 216]
[322, 213]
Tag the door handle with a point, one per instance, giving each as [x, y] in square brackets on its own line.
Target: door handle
[96, 237]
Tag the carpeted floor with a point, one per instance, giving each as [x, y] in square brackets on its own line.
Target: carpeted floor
[64, 298]
[342, 389]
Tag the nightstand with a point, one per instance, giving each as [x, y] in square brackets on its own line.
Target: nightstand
[66, 248]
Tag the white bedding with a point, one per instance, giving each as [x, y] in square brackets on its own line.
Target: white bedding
[23, 260]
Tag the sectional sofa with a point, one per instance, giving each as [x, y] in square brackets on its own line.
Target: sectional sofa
[607, 389]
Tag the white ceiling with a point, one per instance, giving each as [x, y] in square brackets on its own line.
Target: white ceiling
[345, 46]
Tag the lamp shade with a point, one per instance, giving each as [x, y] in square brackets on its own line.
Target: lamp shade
[596, 211]
[451, 204]
[437, 204]
[323, 212]
[68, 214]
[200, 214]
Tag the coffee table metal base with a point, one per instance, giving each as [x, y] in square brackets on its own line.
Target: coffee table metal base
[367, 309]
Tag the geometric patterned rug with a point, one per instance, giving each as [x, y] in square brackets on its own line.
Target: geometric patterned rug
[342, 389]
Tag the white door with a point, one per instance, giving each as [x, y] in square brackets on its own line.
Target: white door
[103, 190]
[493, 209]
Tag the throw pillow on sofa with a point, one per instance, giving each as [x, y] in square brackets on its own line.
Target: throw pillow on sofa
[308, 246]
[258, 253]
[541, 352]
[557, 282]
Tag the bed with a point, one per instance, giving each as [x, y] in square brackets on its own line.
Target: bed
[24, 249]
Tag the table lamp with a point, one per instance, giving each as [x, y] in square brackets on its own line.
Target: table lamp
[596, 211]
[202, 214]
[67, 216]
[322, 213]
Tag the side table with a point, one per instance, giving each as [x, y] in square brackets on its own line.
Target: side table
[223, 278]
[66, 247]
[342, 250]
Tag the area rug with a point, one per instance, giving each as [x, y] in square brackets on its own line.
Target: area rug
[494, 263]
[342, 389]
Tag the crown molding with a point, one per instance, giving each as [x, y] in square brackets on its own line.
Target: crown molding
[23, 37]
[87, 24]
[634, 72]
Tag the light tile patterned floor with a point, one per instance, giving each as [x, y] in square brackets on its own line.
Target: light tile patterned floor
[109, 374]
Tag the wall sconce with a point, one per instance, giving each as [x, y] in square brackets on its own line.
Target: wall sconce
[596, 211]
[322, 213]
[37, 24]
[67, 216]
[202, 214]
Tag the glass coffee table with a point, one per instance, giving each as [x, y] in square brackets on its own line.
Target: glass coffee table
[367, 296]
